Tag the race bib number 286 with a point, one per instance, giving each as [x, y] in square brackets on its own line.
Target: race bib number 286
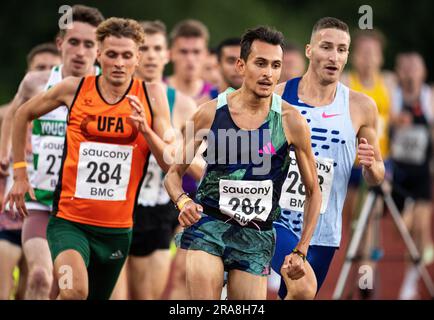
[245, 201]
[103, 171]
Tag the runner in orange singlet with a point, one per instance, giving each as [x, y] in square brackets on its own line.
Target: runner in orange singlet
[114, 122]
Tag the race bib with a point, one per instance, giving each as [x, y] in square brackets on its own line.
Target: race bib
[293, 190]
[150, 190]
[103, 171]
[245, 201]
[410, 144]
[49, 162]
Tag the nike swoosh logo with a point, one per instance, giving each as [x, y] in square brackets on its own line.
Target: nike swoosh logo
[325, 116]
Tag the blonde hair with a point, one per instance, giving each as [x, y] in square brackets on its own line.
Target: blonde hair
[120, 27]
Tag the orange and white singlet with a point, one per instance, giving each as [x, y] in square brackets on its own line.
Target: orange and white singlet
[105, 158]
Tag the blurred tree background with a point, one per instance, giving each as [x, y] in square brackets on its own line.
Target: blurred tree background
[407, 25]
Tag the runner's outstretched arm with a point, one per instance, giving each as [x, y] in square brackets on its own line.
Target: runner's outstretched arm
[28, 88]
[5, 138]
[368, 150]
[298, 134]
[61, 94]
[202, 120]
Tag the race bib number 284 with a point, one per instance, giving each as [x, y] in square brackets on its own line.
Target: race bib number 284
[103, 171]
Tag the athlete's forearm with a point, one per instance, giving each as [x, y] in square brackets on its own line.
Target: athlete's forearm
[196, 169]
[6, 130]
[311, 213]
[375, 174]
[157, 147]
[19, 135]
[173, 181]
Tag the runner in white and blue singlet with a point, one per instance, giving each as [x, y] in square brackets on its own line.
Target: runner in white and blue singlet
[337, 116]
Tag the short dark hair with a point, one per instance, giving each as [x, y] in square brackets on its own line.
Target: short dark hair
[212, 51]
[189, 28]
[47, 47]
[292, 47]
[85, 14]
[374, 34]
[407, 54]
[229, 42]
[261, 33]
[153, 27]
[330, 23]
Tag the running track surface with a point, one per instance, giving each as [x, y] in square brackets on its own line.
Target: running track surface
[390, 269]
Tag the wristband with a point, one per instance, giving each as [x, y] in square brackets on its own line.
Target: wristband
[177, 199]
[182, 203]
[21, 164]
[300, 254]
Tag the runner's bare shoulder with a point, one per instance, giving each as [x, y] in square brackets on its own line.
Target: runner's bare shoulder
[204, 116]
[69, 84]
[292, 114]
[65, 90]
[33, 83]
[362, 105]
[155, 90]
[294, 124]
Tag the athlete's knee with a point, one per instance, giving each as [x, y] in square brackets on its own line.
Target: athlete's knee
[73, 294]
[40, 278]
[5, 287]
[180, 266]
[4, 294]
[73, 290]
